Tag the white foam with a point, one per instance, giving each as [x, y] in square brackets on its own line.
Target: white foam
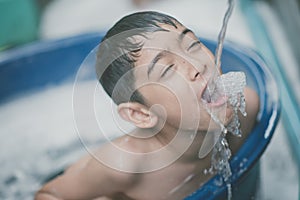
[38, 138]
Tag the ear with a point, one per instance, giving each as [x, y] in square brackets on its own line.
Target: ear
[137, 114]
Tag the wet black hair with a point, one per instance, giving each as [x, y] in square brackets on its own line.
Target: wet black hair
[117, 53]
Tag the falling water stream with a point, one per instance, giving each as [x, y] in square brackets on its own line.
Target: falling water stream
[221, 37]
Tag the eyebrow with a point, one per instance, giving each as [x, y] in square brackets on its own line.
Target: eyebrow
[183, 33]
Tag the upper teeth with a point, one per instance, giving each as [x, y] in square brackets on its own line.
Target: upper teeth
[206, 95]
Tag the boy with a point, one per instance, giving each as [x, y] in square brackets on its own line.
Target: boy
[157, 72]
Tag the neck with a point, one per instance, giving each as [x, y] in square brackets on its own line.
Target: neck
[187, 143]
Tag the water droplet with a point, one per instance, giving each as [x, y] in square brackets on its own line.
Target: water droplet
[229, 191]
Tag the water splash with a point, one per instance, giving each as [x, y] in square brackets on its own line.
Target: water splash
[231, 85]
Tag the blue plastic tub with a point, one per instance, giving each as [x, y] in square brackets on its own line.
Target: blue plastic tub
[37, 65]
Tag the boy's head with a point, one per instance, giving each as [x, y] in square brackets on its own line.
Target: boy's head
[148, 59]
[120, 51]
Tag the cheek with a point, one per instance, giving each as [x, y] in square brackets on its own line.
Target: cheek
[177, 104]
[183, 110]
[164, 98]
[164, 102]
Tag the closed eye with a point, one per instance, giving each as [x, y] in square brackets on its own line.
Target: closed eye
[167, 70]
[196, 43]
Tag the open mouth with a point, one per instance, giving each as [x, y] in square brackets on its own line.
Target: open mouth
[213, 98]
[206, 95]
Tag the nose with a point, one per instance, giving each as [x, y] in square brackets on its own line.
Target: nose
[194, 74]
[193, 70]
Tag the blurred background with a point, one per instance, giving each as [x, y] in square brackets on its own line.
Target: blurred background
[271, 27]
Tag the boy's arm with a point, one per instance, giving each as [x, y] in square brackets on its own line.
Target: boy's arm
[87, 179]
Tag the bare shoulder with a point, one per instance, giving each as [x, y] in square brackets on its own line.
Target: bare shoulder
[248, 121]
[90, 177]
[252, 108]
[252, 102]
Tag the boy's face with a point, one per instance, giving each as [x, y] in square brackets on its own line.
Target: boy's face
[172, 72]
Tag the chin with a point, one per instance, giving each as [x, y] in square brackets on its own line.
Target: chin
[225, 118]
